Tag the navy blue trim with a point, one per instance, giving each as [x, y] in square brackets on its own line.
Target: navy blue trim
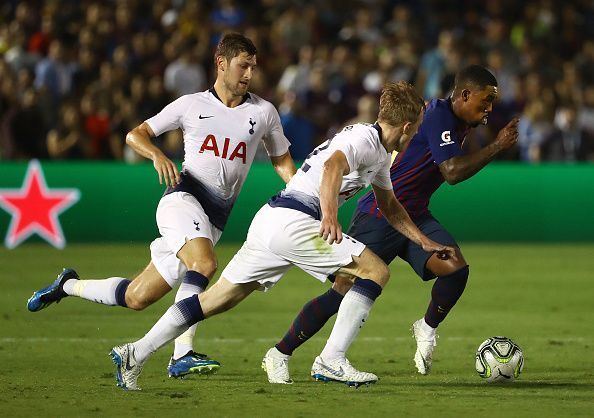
[217, 214]
[279, 201]
[120, 292]
[195, 278]
[243, 100]
[191, 310]
[378, 128]
[367, 288]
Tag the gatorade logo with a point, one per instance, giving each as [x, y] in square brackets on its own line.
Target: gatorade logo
[446, 138]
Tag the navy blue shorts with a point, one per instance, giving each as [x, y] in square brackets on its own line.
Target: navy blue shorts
[379, 236]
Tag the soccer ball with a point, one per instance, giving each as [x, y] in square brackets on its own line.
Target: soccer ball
[499, 359]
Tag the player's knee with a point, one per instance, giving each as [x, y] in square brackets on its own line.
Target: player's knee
[137, 300]
[342, 283]
[383, 274]
[380, 273]
[207, 268]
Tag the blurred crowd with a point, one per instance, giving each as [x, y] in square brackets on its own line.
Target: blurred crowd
[75, 76]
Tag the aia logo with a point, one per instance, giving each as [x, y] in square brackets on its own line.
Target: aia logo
[210, 144]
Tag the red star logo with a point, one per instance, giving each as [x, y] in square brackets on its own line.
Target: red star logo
[35, 209]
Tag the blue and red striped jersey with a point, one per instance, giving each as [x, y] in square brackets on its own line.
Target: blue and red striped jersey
[415, 173]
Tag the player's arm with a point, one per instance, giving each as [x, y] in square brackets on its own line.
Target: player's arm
[397, 216]
[139, 139]
[462, 167]
[284, 166]
[334, 169]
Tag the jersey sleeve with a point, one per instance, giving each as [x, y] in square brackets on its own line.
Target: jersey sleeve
[357, 149]
[382, 177]
[170, 117]
[442, 136]
[275, 142]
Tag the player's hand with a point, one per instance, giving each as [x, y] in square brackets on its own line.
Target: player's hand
[331, 230]
[508, 136]
[167, 170]
[443, 252]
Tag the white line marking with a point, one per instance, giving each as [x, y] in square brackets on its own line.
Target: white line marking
[273, 339]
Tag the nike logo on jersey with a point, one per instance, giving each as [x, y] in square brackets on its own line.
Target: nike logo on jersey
[205, 117]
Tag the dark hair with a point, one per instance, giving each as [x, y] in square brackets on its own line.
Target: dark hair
[475, 75]
[233, 44]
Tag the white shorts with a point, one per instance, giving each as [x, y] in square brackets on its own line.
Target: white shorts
[279, 238]
[180, 218]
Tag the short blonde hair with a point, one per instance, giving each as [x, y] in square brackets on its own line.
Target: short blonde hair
[399, 103]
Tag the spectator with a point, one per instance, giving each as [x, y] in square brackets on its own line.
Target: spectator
[54, 74]
[299, 130]
[433, 64]
[28, 129]
[68, 140]
[568, 142]
[133, 58]
[185, 75]
[367, 108]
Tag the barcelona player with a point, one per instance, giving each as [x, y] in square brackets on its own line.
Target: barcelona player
[435, 154]
[299, 227]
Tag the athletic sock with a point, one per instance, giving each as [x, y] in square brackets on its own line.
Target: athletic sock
[193, 283]
[352, 314]
[176, 320]
[109, 291]
[426, 328]
[445, 293]
[310, 320]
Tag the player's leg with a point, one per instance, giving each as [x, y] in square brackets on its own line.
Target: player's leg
[185, 252]
[312, 317]
[238, 280]
[198, 256]
[452, 276]
[332, 364]
[146, 288]
[378, 236]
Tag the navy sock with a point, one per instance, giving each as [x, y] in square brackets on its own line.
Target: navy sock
[310, 320]
[444, 295]
[120, 292]
[196, 279]
[367, 288]
[191, 310]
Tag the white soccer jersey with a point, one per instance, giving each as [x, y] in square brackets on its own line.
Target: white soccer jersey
[369, 162]
[220, 142]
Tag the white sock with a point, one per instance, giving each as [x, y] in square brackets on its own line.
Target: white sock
[352, 314]
[100, 291]
[428, 329]
[172, 324]
[275, 353]
[184, 342]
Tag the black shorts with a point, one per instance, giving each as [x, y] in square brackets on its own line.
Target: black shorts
[379, 236]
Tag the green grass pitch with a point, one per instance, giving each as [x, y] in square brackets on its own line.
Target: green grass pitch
[55, 362]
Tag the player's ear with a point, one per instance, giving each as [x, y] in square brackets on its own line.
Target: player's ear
[407, 127]
[220, 63]
[466, 94]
